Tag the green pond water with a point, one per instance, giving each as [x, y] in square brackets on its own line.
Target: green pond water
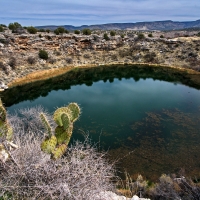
[149, 122]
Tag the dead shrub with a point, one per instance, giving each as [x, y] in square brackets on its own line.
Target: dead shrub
[51, 60]
[31, 60]
[150, 57]
[87, 56]
[12, 62]
[69, 60]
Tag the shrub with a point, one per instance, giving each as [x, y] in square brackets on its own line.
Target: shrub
[12, 62]
[87, 56]
[77, 32]
[150, 57]
[198, 34]
[60, 30]
[1, 29]
[48, 31]
[51, 60]
[69, 60]
[43, 54]
[105, 36]
[112, 33]
[150, 35]
[2, 66]
[32, 30]
[14, 26]
[86, 31]
[31, 60]
[3, 25]
[56, 32]
[141, 36]
[161, 36]
[122, 35]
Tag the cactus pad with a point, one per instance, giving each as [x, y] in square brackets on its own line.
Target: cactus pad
[46, 124]
[75, 110]
[63, 136]
[49, 144]
[2, 113]
[58, 113]
[59, 151]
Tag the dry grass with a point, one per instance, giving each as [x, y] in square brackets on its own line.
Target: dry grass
[82, 173]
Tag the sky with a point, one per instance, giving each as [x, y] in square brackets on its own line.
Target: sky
[88, 12]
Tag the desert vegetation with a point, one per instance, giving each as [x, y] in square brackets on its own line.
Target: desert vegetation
[127, 46]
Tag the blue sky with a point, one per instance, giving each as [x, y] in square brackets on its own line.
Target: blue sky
[87, 12]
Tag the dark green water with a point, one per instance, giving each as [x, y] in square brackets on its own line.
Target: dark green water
[151, 125]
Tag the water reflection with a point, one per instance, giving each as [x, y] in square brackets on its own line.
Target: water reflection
[144, 111]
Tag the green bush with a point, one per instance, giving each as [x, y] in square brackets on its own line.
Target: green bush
[56, 32]
[43, 54]
[150, 35]
[60, 30]
[86, 31]
[112, 33]
[161, 36]
[3, 25]
[14, 26]
[77, 32]
[141, 36]
[198, 34]
[32, 30]
[1, 29]
[105, 36]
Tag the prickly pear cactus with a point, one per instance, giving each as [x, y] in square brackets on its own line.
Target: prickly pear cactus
[46, 124]
[64, 117]
[59, 151]
[5, 131]
[49, 144]
[75, 110]
[5, 128]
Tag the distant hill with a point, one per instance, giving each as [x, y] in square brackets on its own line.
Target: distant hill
[157, 25]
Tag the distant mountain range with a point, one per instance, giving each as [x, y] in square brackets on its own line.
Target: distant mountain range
[157, 25]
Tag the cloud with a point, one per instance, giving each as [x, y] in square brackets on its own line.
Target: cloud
[78, 12]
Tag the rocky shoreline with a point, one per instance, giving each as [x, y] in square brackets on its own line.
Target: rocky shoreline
[19, 52]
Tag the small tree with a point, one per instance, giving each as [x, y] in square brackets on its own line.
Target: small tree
[56, 32]
[61, 29]
[112, 33]
[77, 32]
[14, 26]
[105, 36]
[141, 36]
[150, 35]
[1, 29]
[32, 30]
[43, 54]
[86, 31]
[3, 25]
